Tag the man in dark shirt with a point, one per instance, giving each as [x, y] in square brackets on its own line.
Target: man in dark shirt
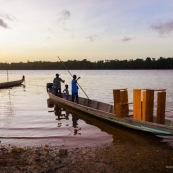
[57, 85]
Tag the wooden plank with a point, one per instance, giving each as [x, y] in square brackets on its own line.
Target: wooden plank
[123, 96]
[103, 106]
[97, 105]
[116, 98]
[148, 105]
[124, 107]
[143, 106]
[121, 107]
[110, 109]
[137, 104]
[161, 104]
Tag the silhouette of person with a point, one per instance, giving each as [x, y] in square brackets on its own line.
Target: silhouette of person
[57, 85]
[74, 88]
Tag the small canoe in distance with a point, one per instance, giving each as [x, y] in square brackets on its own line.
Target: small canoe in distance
[105, 112]
[12, 83]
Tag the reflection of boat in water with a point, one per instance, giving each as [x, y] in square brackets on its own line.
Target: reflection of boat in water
[62, 113]
[12, 83]
[105, 112]
[58, 111]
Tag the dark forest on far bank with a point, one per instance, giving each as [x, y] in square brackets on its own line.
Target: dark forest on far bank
[148, 63]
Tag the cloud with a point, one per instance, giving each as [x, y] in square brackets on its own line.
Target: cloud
[93, 38]
[126, 39]
[163, 28]
[3, 24]
[6, 16]
[3, 18]
[9, 17]
[64, 15]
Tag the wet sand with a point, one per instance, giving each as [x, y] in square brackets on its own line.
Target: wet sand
[112, 158]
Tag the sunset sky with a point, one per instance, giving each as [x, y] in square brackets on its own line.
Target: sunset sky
[41, 30]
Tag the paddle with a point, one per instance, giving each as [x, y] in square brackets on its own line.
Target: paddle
[72, 76]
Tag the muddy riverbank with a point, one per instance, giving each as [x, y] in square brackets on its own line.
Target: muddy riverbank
[111, 158]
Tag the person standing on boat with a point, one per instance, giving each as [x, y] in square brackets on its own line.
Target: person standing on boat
[66, 92]
[57, 85]
[74, 88]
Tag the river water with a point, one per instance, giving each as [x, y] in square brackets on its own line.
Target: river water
[26, 119]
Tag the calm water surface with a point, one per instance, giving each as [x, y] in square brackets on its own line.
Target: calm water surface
[24, 114]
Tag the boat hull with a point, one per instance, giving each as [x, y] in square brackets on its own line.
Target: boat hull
[11, 83]
[128, 122]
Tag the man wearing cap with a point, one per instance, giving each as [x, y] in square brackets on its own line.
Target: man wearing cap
[57, 85]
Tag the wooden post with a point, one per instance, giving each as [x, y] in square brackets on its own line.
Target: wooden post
[148, 105]
[143, 104]
[137, 109]
[116, 96]
[161, 104]
[124, 103]
[124, 96]
[121, 107]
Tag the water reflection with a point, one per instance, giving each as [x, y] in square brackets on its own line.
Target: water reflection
[9, 110]
[74, 120]
[8, 100]
[63, 114]
[60, 113]
[75, 125]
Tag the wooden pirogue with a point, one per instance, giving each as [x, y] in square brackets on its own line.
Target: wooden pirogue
[12, 83]
[106, 113]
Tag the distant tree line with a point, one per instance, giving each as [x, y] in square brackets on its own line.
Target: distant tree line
[148, 63]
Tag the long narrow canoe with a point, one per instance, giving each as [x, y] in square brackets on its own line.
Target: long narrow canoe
[12, 83]
[105, 112]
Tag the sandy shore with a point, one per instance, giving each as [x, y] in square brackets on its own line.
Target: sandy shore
[111, 158]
